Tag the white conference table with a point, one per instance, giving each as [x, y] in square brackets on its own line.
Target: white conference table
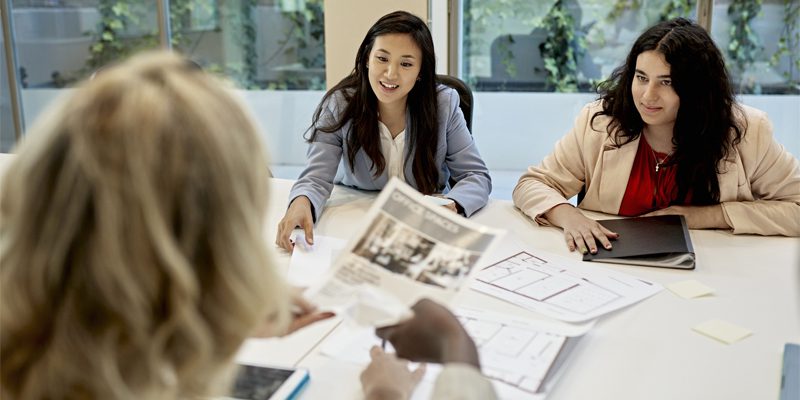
[646, 351]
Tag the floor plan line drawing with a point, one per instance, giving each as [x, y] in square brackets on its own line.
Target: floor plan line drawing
[557, 286]
[533, 278]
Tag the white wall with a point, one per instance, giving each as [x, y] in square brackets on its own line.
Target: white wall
[346, 24]
[513, 130]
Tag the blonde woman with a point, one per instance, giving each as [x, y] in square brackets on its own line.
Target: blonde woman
[132, 261]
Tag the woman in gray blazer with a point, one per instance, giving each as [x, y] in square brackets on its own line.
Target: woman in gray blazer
[389, 118]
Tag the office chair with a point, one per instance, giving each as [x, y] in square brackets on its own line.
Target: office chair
[465, 102]
[464, 93]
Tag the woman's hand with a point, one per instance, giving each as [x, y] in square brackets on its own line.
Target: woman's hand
[433, 334]
[580, 231]
[450, 206]
[298, 215]
[697, 217]
[388, 378]
[304, 313]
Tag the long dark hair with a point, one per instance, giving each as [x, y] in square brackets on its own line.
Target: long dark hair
[362, 104]
[706, 127]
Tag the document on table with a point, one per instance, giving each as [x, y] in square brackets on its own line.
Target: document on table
[517, 354]
[285, 350]
[310, 263]
[559, 287]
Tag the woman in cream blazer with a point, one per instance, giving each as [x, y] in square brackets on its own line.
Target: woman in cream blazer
[758, 180]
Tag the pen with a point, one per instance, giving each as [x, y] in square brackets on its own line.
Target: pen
[383, 344]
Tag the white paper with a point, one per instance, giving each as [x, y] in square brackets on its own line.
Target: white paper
[409, 249]
[285, 350]
[439, 201]
[723, 331]
[690, 289]
[516, 354]
[310, 263]
[559, 287]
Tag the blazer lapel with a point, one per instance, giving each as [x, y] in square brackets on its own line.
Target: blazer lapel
[613, 173]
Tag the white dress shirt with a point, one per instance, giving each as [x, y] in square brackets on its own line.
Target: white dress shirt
[393, 149]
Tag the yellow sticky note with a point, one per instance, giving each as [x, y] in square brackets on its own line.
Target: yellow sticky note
[723, 331]
[690, 289]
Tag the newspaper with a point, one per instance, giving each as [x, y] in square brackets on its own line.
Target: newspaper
[408, 249]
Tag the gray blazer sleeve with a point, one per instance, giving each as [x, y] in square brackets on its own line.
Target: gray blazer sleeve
[462, 159]
[323, 156]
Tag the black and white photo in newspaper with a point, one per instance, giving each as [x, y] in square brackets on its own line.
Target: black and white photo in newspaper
[408, 249]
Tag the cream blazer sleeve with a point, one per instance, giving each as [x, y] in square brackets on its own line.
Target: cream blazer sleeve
[760, 187]
[564, 171]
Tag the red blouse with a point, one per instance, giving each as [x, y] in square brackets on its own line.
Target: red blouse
[648, 189]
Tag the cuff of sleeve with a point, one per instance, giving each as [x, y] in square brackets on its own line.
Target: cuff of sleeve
[459, 209]
[541, 219]
[462, 381]
[726, 216]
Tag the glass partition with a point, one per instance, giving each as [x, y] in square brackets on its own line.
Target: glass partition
[568, 45]
[761, 42]
[258, 44]
[7, 136]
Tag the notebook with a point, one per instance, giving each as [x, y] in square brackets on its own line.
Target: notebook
[661, 241]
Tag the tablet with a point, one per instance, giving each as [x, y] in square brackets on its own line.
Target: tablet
[268, 383]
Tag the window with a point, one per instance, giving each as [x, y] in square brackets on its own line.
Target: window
[761, 42]
[258, 44]
[7, 131]
[61, 42]
[569, 45]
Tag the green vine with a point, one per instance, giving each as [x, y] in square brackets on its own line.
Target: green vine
[789, 44]
[127, 26]
[561, 49]
[744, 46]
[119, 18]
[305, 37]
[489, 15]
[111, 43]
[677, 8]
[619, 8]
[504, 49]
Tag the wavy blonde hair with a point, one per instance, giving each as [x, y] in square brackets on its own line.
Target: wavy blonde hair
[132, 257]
